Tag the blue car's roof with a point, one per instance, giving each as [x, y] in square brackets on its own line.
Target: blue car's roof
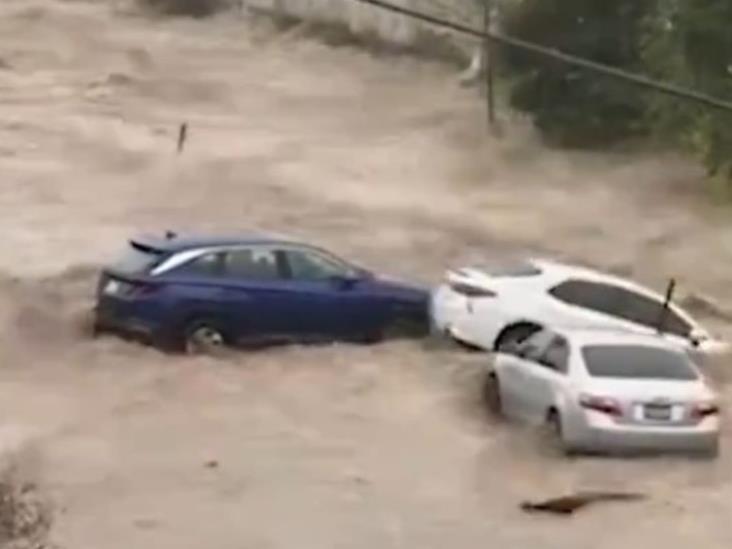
[172, 242]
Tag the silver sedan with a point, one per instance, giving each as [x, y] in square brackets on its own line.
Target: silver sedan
[607, 392]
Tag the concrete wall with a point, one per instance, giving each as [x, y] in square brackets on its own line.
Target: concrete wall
[365, 20]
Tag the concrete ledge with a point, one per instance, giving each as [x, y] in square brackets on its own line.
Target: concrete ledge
[342, 22]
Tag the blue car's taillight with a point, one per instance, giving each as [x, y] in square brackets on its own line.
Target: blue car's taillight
[128, 288]
[142, 289]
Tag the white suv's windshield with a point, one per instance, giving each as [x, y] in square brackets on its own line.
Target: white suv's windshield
[637, 362]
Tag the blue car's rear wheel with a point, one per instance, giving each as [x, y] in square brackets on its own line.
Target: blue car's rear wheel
[203, 337]
[198, 336]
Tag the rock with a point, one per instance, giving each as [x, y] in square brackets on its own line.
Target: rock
[567, 505]
[25, 513]
[621, 269]
[146, 524]
[705, 306]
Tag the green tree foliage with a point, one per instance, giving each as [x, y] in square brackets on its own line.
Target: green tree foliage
[690, 42]
[569, 105]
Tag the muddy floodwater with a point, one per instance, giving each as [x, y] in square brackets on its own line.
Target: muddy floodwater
[381, 159]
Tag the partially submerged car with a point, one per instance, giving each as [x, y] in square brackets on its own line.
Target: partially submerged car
[602, 391]
[189, 292]
[491, 306]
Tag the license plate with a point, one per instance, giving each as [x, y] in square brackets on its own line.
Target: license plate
[657, 412]
[112, 287]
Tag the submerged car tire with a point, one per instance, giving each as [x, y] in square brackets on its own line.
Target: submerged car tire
[513, 335]
[202, 336]
[95, 330]
[554, 429]
[712, 451]
[492, 395]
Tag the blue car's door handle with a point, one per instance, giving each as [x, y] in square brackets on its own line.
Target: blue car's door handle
[230, 294]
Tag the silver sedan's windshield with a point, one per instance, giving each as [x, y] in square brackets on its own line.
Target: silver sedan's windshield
[637, 362]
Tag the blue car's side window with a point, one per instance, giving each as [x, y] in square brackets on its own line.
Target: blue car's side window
[310, 266]
[252, 264]
[206, 265]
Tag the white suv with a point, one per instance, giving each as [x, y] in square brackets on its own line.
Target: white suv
[490, 306]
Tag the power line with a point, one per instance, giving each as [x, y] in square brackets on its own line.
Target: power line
[613, 72]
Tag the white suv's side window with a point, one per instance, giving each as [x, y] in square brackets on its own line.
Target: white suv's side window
[620, 303]
[650, 312]
[601, 298]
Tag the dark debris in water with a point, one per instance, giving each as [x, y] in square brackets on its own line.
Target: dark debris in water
[25, 516]
[568, 505]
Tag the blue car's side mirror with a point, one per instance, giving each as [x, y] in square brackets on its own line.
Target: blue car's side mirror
[345, 282]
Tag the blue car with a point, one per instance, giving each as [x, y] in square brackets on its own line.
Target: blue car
[185, 293]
